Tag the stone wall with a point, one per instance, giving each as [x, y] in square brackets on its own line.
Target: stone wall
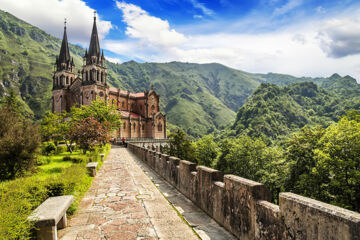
[242, 206]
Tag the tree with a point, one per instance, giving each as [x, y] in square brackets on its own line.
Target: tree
[339, 157]
[88, 132]
[56, 126]
[253, 159]
[181, 146]
[300, 155]
[99, 110]
[206, 151]
[19, 142]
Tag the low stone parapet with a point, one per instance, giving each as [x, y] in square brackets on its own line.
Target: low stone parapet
[243, 206]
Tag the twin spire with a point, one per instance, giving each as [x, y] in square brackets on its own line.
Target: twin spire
[92, 57]
[63, 61]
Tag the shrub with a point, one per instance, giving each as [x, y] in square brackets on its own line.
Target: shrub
[17, 200]
[42, 160]
[67, 158]
[61, 149]
[19, 141]
[48, 148]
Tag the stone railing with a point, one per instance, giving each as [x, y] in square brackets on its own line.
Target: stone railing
[243, 206]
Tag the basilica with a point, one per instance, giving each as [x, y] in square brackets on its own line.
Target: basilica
[140, 112]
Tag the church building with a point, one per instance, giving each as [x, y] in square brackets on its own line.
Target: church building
[140, 112]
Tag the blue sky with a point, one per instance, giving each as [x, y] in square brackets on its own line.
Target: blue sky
[298, 37]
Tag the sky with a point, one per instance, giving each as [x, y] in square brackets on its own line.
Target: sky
[311, 38]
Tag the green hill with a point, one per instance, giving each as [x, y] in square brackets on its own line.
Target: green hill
[196, 97]
[276, 111]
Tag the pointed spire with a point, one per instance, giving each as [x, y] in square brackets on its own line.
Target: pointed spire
[94, 48]
[64, 56]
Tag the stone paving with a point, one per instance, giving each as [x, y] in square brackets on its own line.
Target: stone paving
[123, 203]
[127, 200]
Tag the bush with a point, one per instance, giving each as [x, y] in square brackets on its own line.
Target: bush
[67, 158]
[42, 160]
[19, 141]
[61, 149]
[18, 198]
[77, 159]
[48, 148]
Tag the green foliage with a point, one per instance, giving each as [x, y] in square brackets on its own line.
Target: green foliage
[276, 112]
[252, 159]
[206, 151]
[301, 160]
[99, 110]
[19, 142]
[181, 146]
[48, 148]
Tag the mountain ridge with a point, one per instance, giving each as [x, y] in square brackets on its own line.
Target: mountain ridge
[197, 97]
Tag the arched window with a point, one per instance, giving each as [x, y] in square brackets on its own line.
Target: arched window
[87, 76]
[102, 77]
[91, 75]
[71, 80]
[160, 127]
[134, 126]
[67, 80]
[97, 76]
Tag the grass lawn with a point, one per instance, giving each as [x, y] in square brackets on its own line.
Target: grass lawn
[54, 177]
[56, 164]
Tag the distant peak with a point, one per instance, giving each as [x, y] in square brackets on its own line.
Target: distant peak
[334, 76]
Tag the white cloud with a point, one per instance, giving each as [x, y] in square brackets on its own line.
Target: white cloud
[49, 15]
[340, 37]
[290, 5]
[114, 60]
[293, 50]
[151, 30]
[202, 7]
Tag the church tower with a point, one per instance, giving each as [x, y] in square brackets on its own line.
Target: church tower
[94, 71]
[63, 75]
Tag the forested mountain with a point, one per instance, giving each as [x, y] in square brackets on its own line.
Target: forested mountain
[276, 111]
[196, 97]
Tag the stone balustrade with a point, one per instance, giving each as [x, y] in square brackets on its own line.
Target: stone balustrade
[243, 206]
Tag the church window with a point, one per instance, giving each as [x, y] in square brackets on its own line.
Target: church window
[87, 76]
[134, 126]
[102, 77]
[91, 75]
[67, 80]
[152, 108]
[97, 77]
[71, 80]
[160, 127]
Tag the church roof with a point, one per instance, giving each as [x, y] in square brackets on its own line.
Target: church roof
[94, 48]
[131, 94]
[126, 114]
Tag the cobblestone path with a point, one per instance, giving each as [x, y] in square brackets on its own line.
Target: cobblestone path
[123, 203]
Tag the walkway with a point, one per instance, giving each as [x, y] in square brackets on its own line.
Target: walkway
[123, 203]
